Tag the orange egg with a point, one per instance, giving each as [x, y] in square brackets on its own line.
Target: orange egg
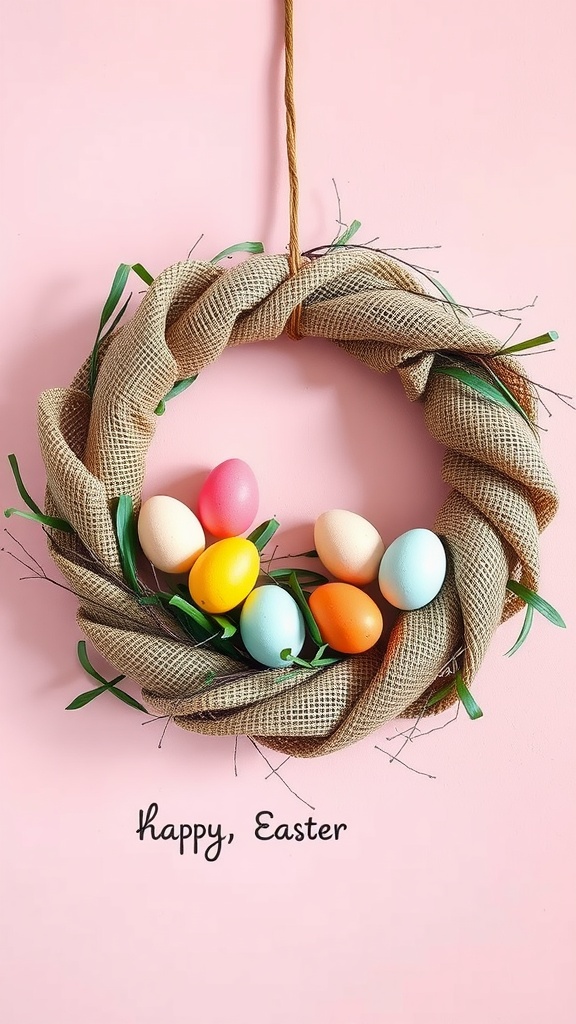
[348, 619]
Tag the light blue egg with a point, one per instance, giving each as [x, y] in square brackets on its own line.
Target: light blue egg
[270, 622]
[412, 569]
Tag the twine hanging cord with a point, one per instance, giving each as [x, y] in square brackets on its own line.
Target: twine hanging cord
[294, 258]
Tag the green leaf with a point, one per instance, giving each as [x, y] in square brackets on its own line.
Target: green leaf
[440, 695]
[317, 661]
[302, 603]
[192, 612]
[159, 598]
[470, 706]
[52, 521]
[127, 699]
[292, 659]
[178, 388]
[144, 274]
[498, 394]
[536, 602]
[114, 296]
[115, 321]
[228, 627]
[126, 536]
[89, 668]
[348, 233]
[111, 684]
[526, 627]
[36, 514]
[443, 291]
[20, 485]
[85, 698]
[508, 394]
[521, 346]
[252, 247]
[304, 576]
[210, 623]
[263, 533]
[118, 285]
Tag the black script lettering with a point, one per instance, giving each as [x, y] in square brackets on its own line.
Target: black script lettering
[184, 832]
[299, 831]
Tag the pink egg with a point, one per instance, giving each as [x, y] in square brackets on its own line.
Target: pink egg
[228, 501]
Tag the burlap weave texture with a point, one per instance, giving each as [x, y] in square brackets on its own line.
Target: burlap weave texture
[502, 497]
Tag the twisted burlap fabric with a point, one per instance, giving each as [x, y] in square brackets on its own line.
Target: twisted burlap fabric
[502, 497]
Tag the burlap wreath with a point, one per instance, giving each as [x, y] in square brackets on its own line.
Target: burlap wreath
[502, 496]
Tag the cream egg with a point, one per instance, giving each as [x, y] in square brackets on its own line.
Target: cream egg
[348, 545]
[170, 535]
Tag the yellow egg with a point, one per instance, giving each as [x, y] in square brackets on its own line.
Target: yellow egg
[224, 574]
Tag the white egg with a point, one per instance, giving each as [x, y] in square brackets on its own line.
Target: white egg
[170, 535]
[348, 545]
[412, 569]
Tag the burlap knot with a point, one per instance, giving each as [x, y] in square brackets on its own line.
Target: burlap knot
[368, 304]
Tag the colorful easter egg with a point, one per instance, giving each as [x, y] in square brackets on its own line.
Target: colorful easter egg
[228, 500]
[224, 574]
[348, 619]
[170, 535]
[412, 569]
[271, 622]
[348, 545]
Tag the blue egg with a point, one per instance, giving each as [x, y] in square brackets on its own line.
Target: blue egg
[270, 622]
[412, 569]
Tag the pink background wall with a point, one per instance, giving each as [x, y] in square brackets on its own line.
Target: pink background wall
[128, 130]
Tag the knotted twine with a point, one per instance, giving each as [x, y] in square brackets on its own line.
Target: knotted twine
[502, 495]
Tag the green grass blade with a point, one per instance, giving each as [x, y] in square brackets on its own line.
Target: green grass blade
[537, 603]
[192, 612]
[305, 577]
[310, 621]
[521, 346]
[114, 296]
[178, 388]
[444, 291]
[143, 274]
[483, 387]
[252, 247]
[470, 706]
[440, 695]
[36, 514]
[126, 537]
[85, 698]
[508, 394]
[499, 393]
[20, 485]
[87, 664]
[127, 699]
[263, 533]
[526, 627]
[228, 627]
[52, 521]
[348, 233]
[113, 325]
